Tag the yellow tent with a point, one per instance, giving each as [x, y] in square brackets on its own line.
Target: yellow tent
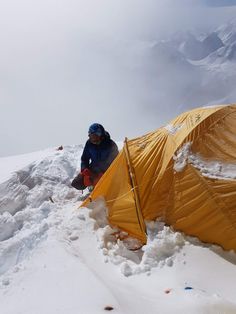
[146, 182]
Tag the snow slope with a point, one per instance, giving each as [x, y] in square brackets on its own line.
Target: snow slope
[8, 165]
[57, 259]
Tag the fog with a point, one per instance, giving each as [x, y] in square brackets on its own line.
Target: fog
[67, 64]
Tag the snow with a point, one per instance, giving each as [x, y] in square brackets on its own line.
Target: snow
[227, 31]
[214, 169]
[56, 258]
[207, 63]
[10, 164]
[181, 157]
[173, 129]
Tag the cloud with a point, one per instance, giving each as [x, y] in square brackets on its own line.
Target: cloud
[66, 64]
[220, 3]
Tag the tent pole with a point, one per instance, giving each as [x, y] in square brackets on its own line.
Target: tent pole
[135, 187]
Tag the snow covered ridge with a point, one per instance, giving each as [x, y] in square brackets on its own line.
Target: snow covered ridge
[195, 48]
[48, 177]
[207, 64]
[209, 169]
[72, 256]
[29, 197]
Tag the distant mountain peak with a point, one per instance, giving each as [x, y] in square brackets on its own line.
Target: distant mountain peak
[195, 49]
[227, 32]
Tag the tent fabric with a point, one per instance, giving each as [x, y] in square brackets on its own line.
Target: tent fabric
[190, 202]
[116, 189]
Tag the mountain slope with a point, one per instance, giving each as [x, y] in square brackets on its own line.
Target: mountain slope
[56, 258]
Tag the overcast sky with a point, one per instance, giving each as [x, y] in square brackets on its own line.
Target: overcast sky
[65, 64]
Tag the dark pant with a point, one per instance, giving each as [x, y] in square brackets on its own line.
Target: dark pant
[78, 182]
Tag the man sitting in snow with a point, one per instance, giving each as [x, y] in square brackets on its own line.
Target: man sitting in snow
[99, 152]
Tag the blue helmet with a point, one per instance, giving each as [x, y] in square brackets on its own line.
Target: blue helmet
[97, 129]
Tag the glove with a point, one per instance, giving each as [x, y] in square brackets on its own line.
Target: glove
[86, 172]
[87, 177]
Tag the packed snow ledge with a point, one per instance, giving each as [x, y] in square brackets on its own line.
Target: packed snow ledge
[57, 259]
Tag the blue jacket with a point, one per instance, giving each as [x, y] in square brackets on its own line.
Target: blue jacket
[99, 157]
